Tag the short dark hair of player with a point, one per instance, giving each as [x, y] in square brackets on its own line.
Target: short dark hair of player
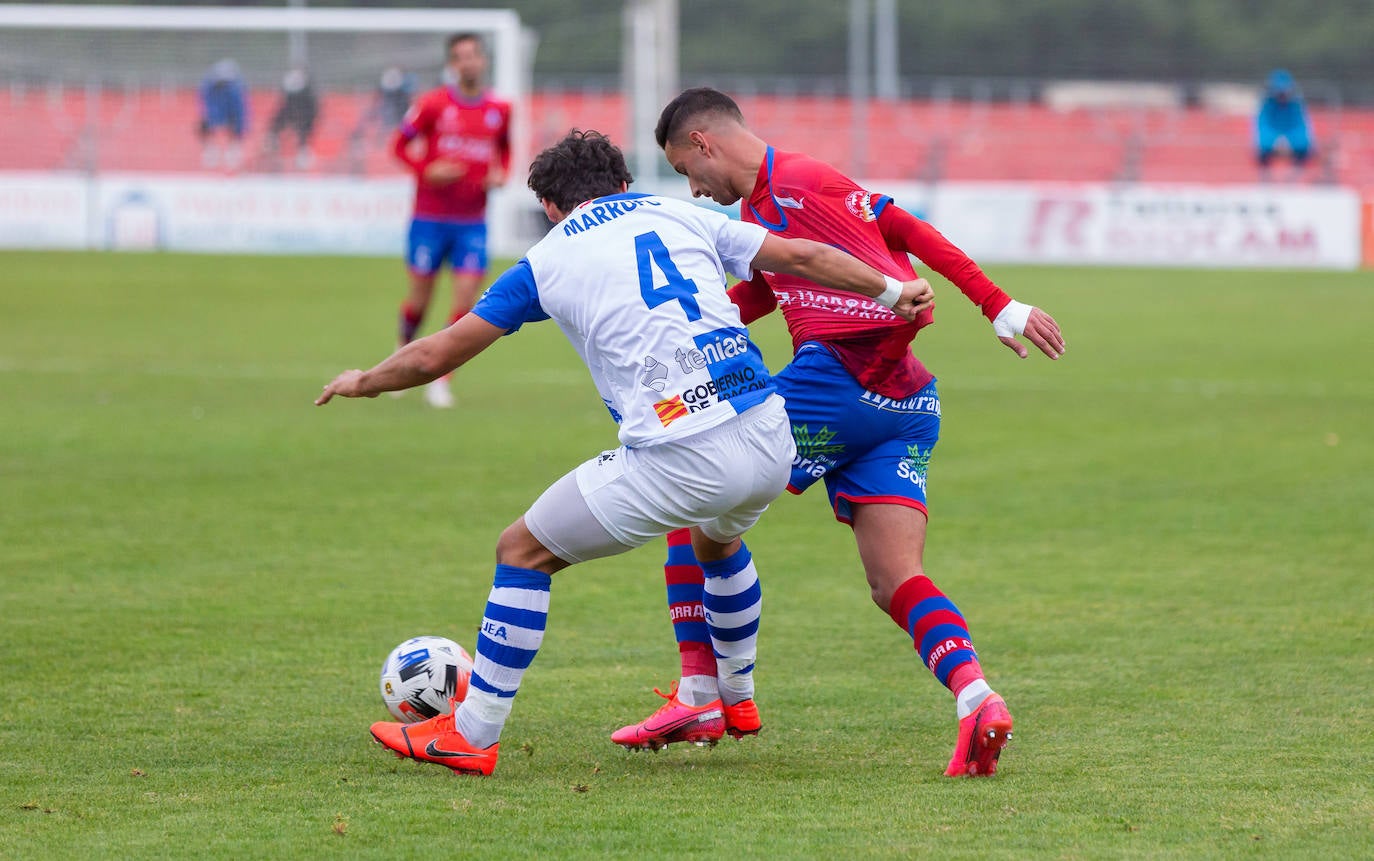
[582, 166]
[458, 38]
[689, 105]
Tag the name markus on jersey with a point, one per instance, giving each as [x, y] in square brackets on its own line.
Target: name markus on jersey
[602, 213]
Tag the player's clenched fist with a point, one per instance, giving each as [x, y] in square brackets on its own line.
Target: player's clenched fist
[349, 384]
[916, 296]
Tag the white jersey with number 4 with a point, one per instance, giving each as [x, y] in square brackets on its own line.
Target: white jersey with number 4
[637, 283]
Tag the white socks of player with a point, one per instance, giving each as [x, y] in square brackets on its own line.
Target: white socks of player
[697, 691]
[732, 598]
[512, 630]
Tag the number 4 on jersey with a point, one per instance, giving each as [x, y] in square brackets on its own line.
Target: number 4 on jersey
[650, 251]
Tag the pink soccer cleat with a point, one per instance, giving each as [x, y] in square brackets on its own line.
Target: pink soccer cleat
[673, 722]
[982, 735]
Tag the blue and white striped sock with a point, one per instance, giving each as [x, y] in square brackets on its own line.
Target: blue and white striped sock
[512, 629]
[732, 598]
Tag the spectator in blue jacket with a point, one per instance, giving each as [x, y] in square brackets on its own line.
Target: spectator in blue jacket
[223, 108]
[1283, 118]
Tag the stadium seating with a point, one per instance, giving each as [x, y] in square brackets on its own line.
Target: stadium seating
[154, 130]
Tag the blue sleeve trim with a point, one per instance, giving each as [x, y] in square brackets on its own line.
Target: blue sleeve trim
[512, 300]
[880, 204]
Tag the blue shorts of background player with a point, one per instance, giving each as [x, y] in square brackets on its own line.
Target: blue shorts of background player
[462, 243]
[866, 447]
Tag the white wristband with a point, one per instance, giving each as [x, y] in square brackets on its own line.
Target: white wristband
[1012, 319]
[889, 297]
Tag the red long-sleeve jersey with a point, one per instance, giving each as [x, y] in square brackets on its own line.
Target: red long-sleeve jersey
[473, 132]
[798, 197]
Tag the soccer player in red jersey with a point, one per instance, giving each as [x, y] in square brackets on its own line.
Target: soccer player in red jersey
[463, 151]
[865, 413]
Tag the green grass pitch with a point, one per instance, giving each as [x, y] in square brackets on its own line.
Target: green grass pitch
[1164, 545]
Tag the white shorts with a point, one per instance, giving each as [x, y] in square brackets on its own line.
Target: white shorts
[721, 480]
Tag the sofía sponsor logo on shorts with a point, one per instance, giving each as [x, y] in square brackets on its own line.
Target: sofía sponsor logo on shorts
[913, 467]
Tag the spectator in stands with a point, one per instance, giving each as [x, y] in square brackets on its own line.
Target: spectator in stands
[384, 113]
[223, 106]
[388, 107]
[296, 112]
[394, 92]
[1283, 118]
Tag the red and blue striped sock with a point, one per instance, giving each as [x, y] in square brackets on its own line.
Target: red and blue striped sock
[409, 323]
[939, 633]
[685, 585]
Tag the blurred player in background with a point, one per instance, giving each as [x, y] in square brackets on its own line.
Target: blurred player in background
[1283, 119]
[705, 442]
[463, 140]
[223, 114]
[865, 413]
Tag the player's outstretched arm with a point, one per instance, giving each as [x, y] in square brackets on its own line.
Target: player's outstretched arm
[418, 362]
[837, 270]
[1038, 327]
[905, 232]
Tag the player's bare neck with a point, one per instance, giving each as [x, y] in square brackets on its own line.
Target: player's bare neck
[751, 152]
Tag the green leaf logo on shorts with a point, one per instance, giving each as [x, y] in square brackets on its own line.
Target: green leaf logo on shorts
[814, 445]
[916, 462]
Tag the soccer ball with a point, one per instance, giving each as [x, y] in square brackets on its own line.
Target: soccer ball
[421, 675]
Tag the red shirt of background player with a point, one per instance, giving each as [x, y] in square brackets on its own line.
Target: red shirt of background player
[472, 132]
[797, 196]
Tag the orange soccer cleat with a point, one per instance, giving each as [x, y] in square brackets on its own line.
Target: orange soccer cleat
[982, 735]
[436, 740]
[673, 722]
[742, 719]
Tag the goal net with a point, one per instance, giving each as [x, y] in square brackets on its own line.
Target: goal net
[165, 116]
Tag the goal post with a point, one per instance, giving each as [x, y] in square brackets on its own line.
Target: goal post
[101, 90]
[501, 25]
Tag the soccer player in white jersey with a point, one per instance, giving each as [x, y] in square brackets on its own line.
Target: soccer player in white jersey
[637, 283]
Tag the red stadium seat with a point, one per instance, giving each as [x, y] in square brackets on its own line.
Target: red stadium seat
[154, 130]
